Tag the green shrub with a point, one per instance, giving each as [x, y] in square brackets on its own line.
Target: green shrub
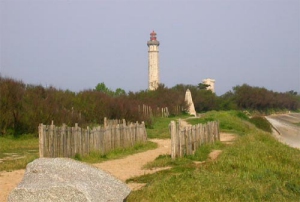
[261, 123]
[77, 157]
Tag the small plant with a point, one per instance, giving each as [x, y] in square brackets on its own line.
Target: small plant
[200, 120]
[243, 115]
[77, 157]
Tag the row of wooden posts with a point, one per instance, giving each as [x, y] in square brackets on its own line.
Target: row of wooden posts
[67, 141]
[185, 140]
[147, 110]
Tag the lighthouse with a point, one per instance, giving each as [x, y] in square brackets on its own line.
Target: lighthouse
[153, 62]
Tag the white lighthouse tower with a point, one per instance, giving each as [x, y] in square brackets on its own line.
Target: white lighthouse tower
[153, 61]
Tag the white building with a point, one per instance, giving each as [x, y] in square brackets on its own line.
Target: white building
[153, 62]
[211, 83]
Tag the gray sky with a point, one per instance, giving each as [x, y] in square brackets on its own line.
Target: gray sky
[74, 44]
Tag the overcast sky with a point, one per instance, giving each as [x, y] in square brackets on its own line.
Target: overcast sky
[76, 44]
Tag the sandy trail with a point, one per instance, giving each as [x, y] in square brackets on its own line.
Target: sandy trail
[8, 181]
[131, 166]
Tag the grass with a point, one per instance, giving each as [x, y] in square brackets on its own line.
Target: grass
[297, 124]
[200, 155]
[16, 153]
[230, 121]
[256, 167]
[261, 123]
[160, 128]
[96, 157]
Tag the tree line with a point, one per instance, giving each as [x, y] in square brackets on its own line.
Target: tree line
[24, 106]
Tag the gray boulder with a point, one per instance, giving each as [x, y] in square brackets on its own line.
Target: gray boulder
[62, 179]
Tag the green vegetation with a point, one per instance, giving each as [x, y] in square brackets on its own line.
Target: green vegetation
[96, 157]
[23, 106]
[160, 126]
[230, 121]
[101, 87]
[256, 167]
[261, 123]
[16, 153]
[297, 124]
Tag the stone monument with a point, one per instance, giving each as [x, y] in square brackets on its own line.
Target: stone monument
[188, 99]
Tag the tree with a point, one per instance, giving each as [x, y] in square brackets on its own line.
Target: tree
[119, 92]
[101, 87]
[203, 86]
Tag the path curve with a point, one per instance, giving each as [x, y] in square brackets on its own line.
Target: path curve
[131, 166]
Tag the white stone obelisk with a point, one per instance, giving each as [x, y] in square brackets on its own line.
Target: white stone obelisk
[189, 100]
[153, 62]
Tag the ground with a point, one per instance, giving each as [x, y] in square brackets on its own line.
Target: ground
[122, 169]
[285, 129]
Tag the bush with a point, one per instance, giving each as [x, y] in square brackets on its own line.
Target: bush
[261, 123]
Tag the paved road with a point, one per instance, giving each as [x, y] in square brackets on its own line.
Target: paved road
[288, 131]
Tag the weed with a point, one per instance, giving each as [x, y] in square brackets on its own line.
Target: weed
[77, 157]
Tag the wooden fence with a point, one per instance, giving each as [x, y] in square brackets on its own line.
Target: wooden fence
[67, 141]
[147, 111]
[185, 140]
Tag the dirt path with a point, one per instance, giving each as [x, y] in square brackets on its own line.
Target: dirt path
[131, 166]
[8, 181]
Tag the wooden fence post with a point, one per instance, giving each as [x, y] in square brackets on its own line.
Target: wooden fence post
[105, 122]
[173, 131]
[51, 140]
[41, 140]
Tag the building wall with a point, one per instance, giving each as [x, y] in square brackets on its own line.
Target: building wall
[211, 83]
